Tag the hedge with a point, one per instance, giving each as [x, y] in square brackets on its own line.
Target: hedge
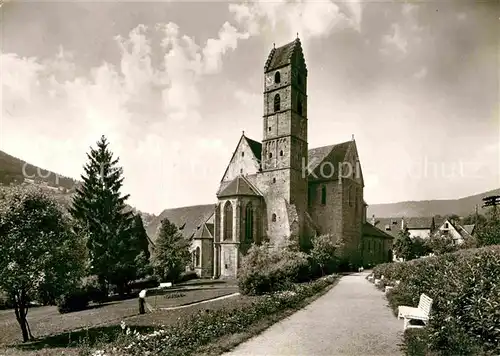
[465, 288]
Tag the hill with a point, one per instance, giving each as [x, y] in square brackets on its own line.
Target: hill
[462, 207]
[14, 171]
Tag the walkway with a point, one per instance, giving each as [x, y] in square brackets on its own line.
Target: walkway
[351, 319]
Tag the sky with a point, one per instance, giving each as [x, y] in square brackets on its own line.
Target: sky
[172, 85]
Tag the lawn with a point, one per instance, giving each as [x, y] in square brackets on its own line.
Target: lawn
[183, 297]
[48, 326]
[67, 342]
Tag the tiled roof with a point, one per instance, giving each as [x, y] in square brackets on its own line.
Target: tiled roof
[469, 228]
[334, 154]
[283, 55]
[372, 231]
[256, 147]
[410, 223]
[239, 186]
[204, 231]
[394, 225]
[189, 216]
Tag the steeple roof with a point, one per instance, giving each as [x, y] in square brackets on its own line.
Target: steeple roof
[281, 56]
[239, 186]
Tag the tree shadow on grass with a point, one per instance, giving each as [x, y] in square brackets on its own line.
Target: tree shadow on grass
[89, 337]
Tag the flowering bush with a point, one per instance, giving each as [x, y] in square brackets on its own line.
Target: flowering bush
[187, 335]
[264, 270]
[465, 288]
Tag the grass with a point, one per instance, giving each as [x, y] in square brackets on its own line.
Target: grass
[55, 332]
[70, 342]
[187, 297]
[94, 328]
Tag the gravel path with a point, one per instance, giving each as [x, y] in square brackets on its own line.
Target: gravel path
[351, 319]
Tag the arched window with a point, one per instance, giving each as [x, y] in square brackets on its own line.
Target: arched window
[277, 77]
[299, 107]
[273, 218]
[270, 155]
[249, 222]
[299, 80]
[197, 257]
[228, 221]
[281, 153]
[277, 102]
[323, 195]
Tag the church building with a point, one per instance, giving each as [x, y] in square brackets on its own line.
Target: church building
[279, 189]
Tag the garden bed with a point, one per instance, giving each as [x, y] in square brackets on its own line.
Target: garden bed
[213, 331]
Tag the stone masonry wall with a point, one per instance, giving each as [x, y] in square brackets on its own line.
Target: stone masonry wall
[352, 216]
[328, 217]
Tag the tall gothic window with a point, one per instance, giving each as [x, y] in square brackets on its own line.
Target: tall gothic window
[299, 106]
[323, 195]
[228, 221]
[249, 222]
[197, 257]
[277, 77]
[277, 102]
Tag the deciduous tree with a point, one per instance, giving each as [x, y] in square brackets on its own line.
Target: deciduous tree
[326, 253]
[40, 252]
[403, 246]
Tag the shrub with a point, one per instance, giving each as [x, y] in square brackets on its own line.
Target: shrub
[92, 289]
[5, 302]
[264, 270]
[73, 301]
[465, 288]
[326, 253]
[145, 283]
[187, 276]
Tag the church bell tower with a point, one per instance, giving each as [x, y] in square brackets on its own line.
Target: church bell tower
[284, 143]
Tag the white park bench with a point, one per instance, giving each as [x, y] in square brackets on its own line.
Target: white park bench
[421, 313]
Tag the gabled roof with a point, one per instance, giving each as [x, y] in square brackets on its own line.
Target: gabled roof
[204, 231]
[255, 146]
[333, 154]
[371, 231]
[239, 186]
[281, 56]
[469, 228]
[188, 217]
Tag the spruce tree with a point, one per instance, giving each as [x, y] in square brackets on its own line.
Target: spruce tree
[142, 241]
[99, 206]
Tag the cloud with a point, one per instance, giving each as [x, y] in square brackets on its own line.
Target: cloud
[396, 40]
[422, 73]
[286, 18]
[50, 107]
[248, 99]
